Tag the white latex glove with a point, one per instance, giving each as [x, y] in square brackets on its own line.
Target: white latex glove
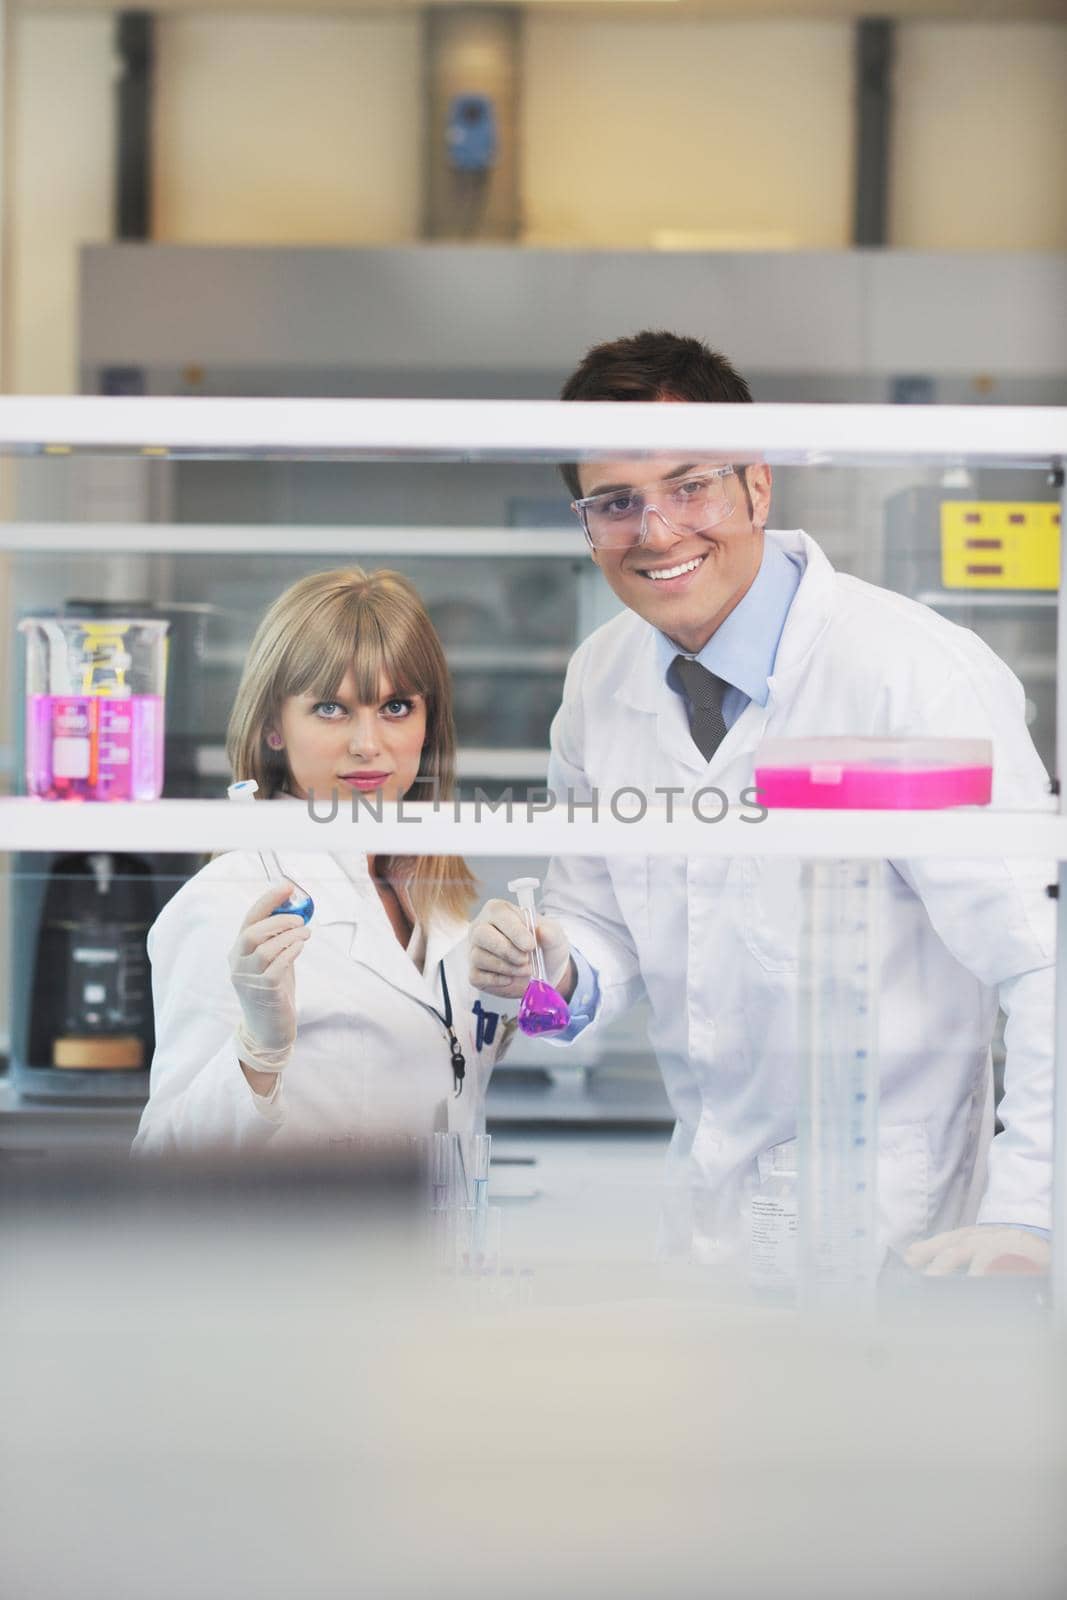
[261, 971]
[983, 1250]
[500, 952]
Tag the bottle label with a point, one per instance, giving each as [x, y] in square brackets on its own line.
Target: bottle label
[773, 1255]
[71, 735]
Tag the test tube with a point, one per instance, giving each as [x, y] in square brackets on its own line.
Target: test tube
[524, 890]
[488, 1251]
[542, 1008]
[299, 904]
[442, 1168]
[481, 1150]
[443, 1200]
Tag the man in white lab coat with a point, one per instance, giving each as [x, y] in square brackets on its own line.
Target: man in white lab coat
[732, 635]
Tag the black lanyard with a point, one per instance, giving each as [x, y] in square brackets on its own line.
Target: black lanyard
[459, 1064]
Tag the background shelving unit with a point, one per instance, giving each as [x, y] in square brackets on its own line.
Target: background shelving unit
[402, 432]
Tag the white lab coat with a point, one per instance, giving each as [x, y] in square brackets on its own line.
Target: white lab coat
[714, 943]
[371, 1058]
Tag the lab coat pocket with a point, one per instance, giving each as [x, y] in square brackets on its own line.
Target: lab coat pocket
[903, 1183]
[772, 912]
[630, 881]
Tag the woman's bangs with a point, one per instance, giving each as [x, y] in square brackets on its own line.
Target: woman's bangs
[355, 640]
[315, 667]
[372, 660]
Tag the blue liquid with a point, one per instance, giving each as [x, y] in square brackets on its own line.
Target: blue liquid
[300, 905]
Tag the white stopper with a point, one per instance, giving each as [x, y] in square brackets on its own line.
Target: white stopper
[524, 890]
[244, 790]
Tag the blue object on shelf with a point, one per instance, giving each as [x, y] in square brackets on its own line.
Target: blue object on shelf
[471, 134]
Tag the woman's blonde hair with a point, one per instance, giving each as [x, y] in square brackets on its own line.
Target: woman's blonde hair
[375, 624]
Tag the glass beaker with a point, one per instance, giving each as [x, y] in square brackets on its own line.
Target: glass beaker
[94, 707]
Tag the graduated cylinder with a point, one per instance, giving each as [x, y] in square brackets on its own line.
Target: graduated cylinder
[838, 1113]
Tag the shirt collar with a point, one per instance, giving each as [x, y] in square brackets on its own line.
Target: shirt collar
[742, 649]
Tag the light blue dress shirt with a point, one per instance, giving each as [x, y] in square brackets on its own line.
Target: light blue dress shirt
[741, 652]
[742, 649]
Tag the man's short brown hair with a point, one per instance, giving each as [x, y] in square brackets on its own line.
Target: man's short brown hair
[653, 365]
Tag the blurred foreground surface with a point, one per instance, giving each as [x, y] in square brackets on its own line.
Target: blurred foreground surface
[266, 1384]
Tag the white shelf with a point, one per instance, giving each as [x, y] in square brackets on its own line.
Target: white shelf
[180, 826]
[1035, 669]
[518, 765]
[271, 538]
[986, 600]
[520, 660]
[525, 429]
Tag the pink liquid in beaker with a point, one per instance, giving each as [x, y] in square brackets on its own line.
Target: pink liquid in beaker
[94, 747]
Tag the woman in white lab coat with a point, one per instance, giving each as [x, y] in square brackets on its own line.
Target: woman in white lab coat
[362, 1023]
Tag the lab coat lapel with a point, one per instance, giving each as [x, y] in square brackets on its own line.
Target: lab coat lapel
[808, 616]
[640, 681]
[810, 612]
[739, 740]
[673, 736]
[350, 917]
[444, 935]
[374, 944]
[674, 739]
[666, 738]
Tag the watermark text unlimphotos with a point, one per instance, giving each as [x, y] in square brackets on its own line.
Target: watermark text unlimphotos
[628, 804]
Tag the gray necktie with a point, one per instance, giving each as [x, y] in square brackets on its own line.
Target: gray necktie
[704, 692]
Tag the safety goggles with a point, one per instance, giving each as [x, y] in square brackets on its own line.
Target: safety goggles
[689, 504]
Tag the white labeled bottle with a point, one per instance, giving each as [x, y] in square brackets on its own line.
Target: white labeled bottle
[773, 1225]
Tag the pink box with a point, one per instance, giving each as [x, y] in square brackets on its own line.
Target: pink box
[874, 774]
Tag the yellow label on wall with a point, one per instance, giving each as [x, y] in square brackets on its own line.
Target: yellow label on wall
[1000, 544]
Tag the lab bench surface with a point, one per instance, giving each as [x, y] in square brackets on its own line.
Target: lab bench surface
[518, 1101]
[590, 1426]
[591, 1098]
[43, 1127]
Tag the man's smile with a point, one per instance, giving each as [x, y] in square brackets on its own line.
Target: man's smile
[665, 574]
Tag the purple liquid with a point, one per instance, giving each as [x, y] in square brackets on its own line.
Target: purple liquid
[542, 1009]
[94, 747]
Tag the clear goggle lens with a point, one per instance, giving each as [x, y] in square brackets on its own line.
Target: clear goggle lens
[687, 505]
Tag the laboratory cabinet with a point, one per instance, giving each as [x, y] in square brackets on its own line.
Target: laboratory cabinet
[580, 1416]
[215, 506]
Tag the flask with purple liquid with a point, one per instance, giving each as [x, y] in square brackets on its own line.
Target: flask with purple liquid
[542, 1009]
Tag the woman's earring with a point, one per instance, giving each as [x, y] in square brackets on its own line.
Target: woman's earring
[274, 740]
